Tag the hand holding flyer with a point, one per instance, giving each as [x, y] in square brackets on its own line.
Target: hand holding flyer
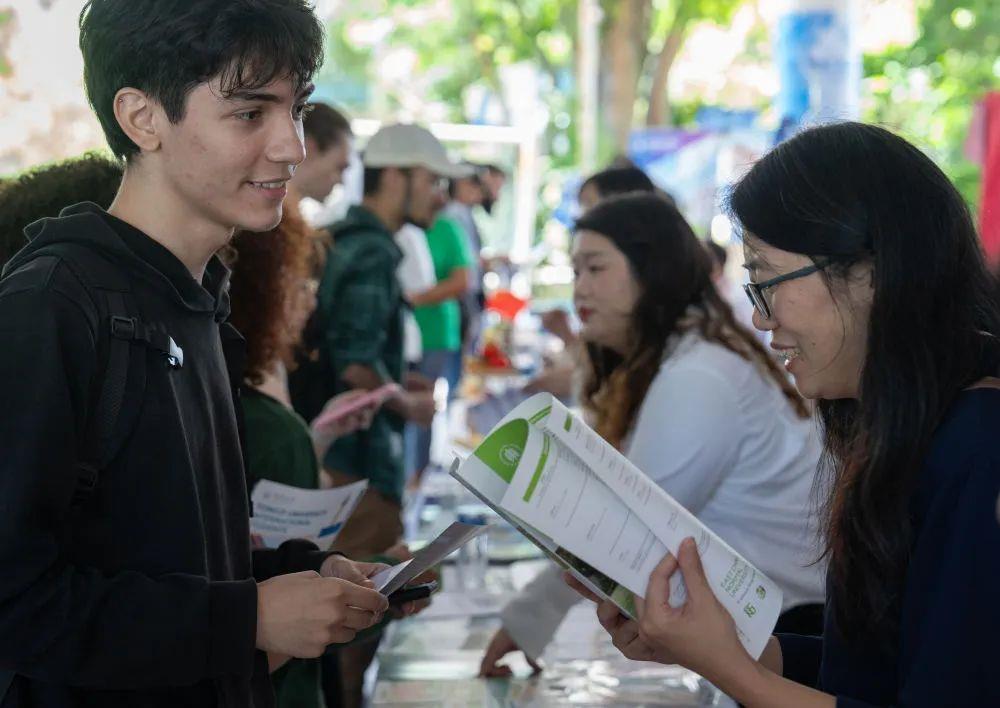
[373, 399]
[581, 500]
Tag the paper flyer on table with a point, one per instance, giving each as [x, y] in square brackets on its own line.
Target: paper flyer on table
[564, 481]
[282, 512]
[450, 540]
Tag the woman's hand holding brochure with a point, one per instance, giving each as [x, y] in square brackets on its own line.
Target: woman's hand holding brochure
[699, 635]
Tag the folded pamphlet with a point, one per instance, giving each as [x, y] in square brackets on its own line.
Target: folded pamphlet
[282, 512]
[602, 519]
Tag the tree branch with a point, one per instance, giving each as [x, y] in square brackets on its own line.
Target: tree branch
[625, 52]
[658, 103]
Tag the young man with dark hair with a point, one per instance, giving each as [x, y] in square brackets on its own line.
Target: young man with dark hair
[128, 578]
[328, 151]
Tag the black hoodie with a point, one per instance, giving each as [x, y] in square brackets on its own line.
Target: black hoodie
[145, 595]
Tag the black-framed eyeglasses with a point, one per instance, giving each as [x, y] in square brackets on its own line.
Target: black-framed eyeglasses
[755, 291]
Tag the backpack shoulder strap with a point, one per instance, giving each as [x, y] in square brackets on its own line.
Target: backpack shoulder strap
[234, 352]
[121, 379]
[109, 289]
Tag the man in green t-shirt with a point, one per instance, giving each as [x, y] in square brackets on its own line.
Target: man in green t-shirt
[439, 315]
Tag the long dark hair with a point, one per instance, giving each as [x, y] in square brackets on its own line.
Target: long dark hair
[847, 194]
[674, 275]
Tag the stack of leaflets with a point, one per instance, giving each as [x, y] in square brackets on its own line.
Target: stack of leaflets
[601, 518]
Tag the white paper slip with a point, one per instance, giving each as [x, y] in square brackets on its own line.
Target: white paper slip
[381, 580]
[451, 539]
[282, 512]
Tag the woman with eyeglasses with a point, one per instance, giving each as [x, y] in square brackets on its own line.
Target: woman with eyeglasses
[694, 400]
[867, 271]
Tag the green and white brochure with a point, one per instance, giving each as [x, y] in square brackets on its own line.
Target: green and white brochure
[601, 518]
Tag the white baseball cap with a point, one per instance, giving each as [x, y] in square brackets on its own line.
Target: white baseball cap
[407, 145]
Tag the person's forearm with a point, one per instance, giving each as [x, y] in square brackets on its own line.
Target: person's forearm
[770, 658]
[206, 627]
[321, 443]
[452, 287]
[359, 376]
[365, 377]
[399, 404]
[755, 685]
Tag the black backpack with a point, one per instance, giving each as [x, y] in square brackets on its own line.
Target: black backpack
[118, 389]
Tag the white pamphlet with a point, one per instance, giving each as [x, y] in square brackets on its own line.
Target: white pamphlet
[561, 481]
[282, 512]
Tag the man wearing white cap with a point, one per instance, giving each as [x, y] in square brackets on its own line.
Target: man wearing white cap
[361, 307]
[360, 314]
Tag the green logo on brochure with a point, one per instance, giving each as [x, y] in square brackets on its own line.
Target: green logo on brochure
[750, 610]
[761, 592]
[510, 454]
[501, 451]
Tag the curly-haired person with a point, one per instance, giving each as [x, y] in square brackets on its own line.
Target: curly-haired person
[48, 189]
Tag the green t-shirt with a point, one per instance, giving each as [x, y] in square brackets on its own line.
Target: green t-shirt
[441, 323]
[279, 448]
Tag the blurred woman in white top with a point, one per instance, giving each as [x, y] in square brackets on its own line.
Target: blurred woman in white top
[694, 400]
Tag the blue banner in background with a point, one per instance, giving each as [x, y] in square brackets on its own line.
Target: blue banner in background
[694, 165]
[820, 67]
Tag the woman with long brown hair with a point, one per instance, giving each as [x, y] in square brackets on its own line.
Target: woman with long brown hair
[691, 398]
[273, 292]
[867, 271]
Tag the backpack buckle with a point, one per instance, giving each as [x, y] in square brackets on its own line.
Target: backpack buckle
[86, 482]
[129, 329]
[123, 327]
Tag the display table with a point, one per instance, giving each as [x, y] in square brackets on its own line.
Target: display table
[433, 659]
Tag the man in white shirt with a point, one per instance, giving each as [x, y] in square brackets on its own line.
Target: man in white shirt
[466, 194]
